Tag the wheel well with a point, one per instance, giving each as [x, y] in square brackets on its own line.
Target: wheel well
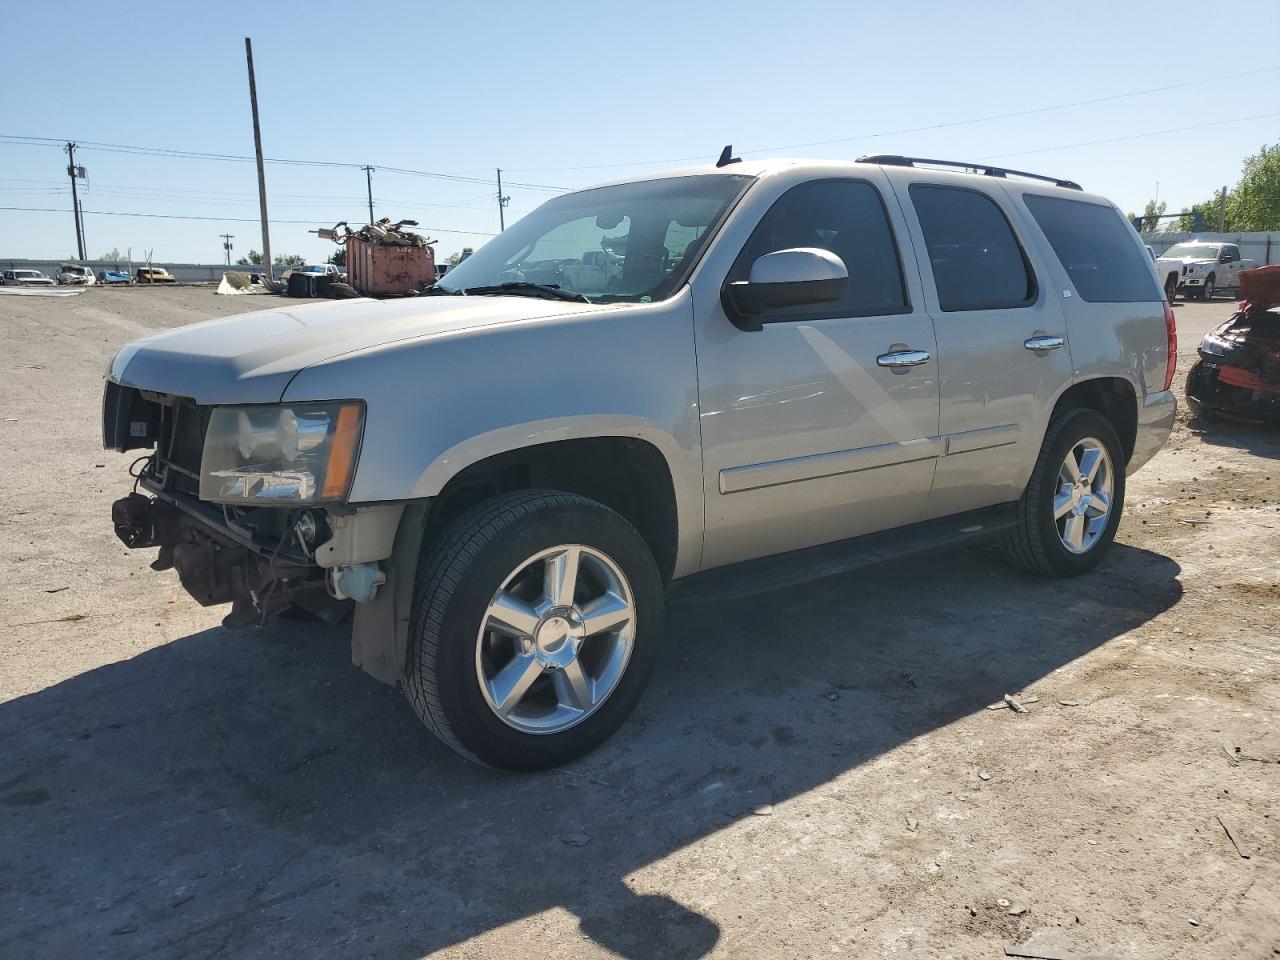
[627, 475]
[1114, 398]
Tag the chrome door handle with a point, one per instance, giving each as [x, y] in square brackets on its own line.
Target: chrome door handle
[902, 358]
[1044, 343]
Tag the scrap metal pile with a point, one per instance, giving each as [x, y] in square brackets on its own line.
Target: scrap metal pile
[385, 259]
[1239, 367]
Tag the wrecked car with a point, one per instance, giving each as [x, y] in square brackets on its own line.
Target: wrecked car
[75, 275]
[717, 382]
[1238, 372]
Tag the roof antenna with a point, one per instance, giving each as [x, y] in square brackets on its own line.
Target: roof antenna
[727, 157]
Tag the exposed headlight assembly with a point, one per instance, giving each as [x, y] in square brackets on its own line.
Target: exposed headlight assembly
[287, 454]
[1215, 345]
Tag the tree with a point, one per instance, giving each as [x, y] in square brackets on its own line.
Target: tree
[1255, 202]
[290, 260]
[1209, 211]
[339, 258]
[253, 257]
[112, 256]
[456, 258]
[1149, 214]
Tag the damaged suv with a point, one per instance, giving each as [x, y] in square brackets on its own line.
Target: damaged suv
[717, 382]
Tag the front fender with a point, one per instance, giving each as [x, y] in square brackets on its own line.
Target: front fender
[683, 464]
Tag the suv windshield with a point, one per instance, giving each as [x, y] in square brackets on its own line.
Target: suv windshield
[632, 242]
[1204, 251]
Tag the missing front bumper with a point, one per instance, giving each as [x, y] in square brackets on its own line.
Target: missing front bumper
[215, 568]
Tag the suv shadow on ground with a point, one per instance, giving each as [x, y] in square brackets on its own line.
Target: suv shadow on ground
[254, 795]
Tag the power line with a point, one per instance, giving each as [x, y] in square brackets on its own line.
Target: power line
[922, 129]
[177, 216]
[1133, 136]
[237, 158]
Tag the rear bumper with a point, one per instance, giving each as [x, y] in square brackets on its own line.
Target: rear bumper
[1155, 423]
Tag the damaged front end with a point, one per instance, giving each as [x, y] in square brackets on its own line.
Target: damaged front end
[218, 563]
[1238, 372]
[246, 503]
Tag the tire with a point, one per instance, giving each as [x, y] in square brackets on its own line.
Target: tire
[1197, 409]
[455, 659]
[1210, 288]
[1038, 544]
[1171, 287]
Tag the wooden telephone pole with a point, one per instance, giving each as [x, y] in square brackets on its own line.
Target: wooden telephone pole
[267, 277]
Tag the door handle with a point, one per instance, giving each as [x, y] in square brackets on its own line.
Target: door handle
[1044, 343]
[902, 358]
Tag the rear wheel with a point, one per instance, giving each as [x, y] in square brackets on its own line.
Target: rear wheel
[535, 629]
[1068, 515]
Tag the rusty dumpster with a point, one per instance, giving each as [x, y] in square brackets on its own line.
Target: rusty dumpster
[383, 270]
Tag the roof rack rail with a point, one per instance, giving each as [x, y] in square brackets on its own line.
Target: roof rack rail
[893, 160]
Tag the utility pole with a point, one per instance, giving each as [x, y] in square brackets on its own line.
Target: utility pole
[226, 244]
[368, 179]
[84, 237]
[72, 171]
[502, 204]
[267, 278]
[1222, 210]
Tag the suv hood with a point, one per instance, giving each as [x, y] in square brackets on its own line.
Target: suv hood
[250, 358]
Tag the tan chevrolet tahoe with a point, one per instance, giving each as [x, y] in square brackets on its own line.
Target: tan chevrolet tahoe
[713, 382]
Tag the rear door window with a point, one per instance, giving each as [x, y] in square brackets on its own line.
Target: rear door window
[977, 261]
[1095, 246]
[844, 217]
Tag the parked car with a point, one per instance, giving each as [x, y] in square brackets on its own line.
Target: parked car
[1203, 267]
[503, 480]
[25, 278]
[311, 280]
[154, 275]
[75, 275]
[315, 269]
[114, 276]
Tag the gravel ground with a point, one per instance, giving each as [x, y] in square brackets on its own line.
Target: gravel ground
[810, 773]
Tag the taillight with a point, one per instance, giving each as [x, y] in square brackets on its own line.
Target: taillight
[1171, 329]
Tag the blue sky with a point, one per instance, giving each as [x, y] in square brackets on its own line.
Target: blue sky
[563, 95]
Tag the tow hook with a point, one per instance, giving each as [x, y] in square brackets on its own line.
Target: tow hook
[356, 581]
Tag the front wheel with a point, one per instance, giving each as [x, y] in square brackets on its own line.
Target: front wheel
[534, 630]
[1068, 515]
[1210, 288]
[1171, 287]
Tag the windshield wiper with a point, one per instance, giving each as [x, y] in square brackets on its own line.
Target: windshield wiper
[435, 290]
[525, 288]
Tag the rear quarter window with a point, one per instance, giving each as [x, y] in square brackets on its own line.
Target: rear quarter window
[1095, 246]
[977, 261]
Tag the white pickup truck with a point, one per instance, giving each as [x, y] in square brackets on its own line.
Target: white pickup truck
[1202, 267]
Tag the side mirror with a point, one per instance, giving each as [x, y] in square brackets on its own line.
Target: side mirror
[786, 278]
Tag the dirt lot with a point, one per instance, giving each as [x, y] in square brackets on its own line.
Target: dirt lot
[810, 774]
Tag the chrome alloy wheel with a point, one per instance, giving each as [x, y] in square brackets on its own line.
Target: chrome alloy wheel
[1082, 502]
[556, 639]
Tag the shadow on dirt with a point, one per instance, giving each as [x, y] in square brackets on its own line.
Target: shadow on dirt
[1238, 432]
[254, 795]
